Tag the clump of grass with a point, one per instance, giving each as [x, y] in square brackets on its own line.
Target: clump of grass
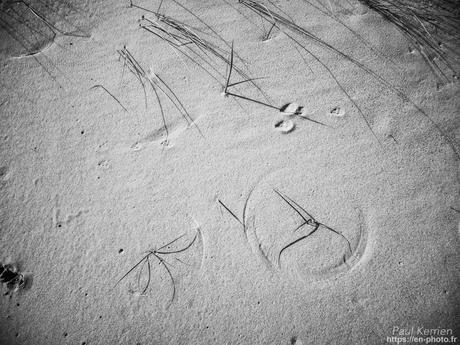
[433, 28]
[296, 32]
[159, 254]
[158, 85]
[205, 47]
[195, 47]
[328, 12]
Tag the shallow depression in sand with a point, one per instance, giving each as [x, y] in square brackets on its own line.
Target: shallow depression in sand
[337, 112]
[300, 227]
[284, 126]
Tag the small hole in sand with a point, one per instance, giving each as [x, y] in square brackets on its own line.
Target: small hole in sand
[82, 132]
[120, 250]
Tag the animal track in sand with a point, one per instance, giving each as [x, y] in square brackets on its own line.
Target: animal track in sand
[57, 220]
[103, 164]
[284, 126]
[159, 137]
[291, 109]
[318, 250]
[338, 112]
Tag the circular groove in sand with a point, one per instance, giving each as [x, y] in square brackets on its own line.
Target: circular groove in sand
[322, 256]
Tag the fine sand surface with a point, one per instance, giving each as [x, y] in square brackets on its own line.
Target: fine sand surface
[89, 182]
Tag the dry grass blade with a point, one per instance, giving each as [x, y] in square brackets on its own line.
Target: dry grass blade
[307, 220]
[134, 67]
[173, 283]
[184, 47]
[171, 95]
[231, 212]
[293, 243]
[214, 32]
[243, 221]
[158, 251]
[157, 84]
[171, 242]
[110, 94]
[132, 269]
[295, 206]
[245, 208]
[227, 85]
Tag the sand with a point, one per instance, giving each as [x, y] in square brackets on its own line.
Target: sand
[87, 187]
